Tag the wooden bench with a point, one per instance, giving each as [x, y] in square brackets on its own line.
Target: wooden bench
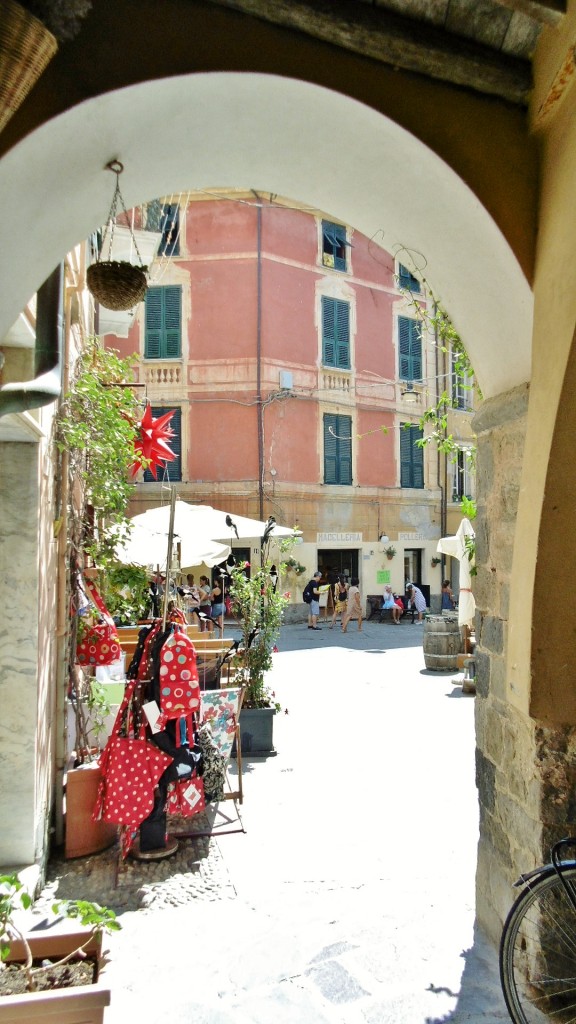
[373, 604]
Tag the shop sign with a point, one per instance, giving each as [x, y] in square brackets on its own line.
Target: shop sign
[411, 536]
[338, 538]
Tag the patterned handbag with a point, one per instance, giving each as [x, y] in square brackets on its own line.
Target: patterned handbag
[131, 768]
[101, 644]
[186, 797]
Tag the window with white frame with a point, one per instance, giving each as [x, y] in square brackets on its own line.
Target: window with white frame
[334, 245]
[463, 476]
[462, 384]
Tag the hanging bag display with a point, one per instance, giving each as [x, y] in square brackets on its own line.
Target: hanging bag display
[101, 644]
[131, 768]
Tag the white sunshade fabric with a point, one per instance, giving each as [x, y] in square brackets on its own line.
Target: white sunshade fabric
[148, 545]
[456, 548]
[199, 529]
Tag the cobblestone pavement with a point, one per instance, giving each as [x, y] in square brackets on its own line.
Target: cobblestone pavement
[197, 871]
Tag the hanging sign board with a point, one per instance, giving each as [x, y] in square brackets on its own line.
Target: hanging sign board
[383, 576]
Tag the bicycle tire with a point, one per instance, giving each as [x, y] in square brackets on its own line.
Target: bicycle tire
[538, 952]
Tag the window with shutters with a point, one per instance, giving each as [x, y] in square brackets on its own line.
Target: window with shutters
[172, 470]
[462, 385]
[163, 318]
[409, 349]
[335, 333]
[337, 449]
[334, 245]
[407, 280]
[411, 456]
[170, 228]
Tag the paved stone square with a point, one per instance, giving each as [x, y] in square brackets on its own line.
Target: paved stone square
[349, 897]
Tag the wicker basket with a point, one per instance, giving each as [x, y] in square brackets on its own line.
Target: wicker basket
[26, 48]
[117, 285]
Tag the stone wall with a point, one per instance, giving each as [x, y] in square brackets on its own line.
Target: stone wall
[507, 773]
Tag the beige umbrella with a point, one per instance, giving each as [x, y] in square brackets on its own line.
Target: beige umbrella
[456, 548]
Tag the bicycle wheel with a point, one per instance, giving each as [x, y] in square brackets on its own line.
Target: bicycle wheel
[538, 952]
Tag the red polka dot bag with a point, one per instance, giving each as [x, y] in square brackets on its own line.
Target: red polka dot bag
[178, 684]
[101, 644]
[131, 767]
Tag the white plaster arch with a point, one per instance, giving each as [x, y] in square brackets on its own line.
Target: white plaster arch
[273, 134]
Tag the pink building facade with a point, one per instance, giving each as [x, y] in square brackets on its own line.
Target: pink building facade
[298, 370]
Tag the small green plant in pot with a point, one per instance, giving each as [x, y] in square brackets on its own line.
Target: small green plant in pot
[18, 971]
[258, 607]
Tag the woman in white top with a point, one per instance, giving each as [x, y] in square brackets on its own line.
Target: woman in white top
[354, 606]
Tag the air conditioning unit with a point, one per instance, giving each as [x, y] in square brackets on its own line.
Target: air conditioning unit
[286, 380]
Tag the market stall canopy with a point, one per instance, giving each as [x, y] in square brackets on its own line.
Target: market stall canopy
[456, 548]
[148, 544]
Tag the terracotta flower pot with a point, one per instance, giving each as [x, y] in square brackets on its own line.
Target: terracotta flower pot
[84, 836]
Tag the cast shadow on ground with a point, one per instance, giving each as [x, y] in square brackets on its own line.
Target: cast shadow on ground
[480, 997]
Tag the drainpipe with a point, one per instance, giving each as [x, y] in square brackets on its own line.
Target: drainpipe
[46, 385]
[259, 407]
[442, 477]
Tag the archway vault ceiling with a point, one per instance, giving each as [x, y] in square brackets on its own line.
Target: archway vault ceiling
[231, 130]
[485, 45]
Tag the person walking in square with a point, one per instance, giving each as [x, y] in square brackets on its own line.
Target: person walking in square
[353, 606]
[314, 605]
[340, 599]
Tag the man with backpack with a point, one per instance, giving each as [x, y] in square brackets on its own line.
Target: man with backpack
[311, 596]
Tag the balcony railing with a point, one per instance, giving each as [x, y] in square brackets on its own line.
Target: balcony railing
[158, 373]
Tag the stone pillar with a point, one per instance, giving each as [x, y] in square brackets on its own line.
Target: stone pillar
[508, 788]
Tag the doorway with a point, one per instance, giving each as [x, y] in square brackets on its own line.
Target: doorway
[413, 566]
[341, 563]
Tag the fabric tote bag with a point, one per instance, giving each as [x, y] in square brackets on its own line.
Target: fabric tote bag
[131, 768]
[101, 644]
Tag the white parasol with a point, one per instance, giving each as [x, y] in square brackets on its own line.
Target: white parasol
[456, 548]
[148, 545]
[207, 522]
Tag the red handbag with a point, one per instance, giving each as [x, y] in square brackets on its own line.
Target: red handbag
[186, 797]
[131, 768]
[101, 644]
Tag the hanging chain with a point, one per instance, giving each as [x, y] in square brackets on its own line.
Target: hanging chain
[116, 167]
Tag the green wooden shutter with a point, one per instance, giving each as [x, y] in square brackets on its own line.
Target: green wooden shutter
[334, 245]
[172, 470]
[411, 457]
[407, 280]
[153, 335]
[335, 333]
[163, 321]
[409, 349]
[337, 449]
[173, 320]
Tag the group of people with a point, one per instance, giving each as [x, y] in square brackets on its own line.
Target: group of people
[346, 601]
[205, 602]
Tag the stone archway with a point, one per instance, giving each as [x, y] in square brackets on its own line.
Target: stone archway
[227, 129]
[222, 129]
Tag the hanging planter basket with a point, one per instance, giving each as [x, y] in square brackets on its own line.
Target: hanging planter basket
[26, 48]
[116, 284]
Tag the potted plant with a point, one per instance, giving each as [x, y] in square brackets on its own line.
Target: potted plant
[258, 607]
[390, 551]
[54, 974]
[435, 561]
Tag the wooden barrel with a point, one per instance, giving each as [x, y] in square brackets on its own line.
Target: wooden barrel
[442, 643]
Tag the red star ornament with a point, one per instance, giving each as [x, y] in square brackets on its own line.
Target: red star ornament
[151, 448]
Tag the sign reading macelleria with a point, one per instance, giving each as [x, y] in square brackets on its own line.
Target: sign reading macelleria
[338, 538]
